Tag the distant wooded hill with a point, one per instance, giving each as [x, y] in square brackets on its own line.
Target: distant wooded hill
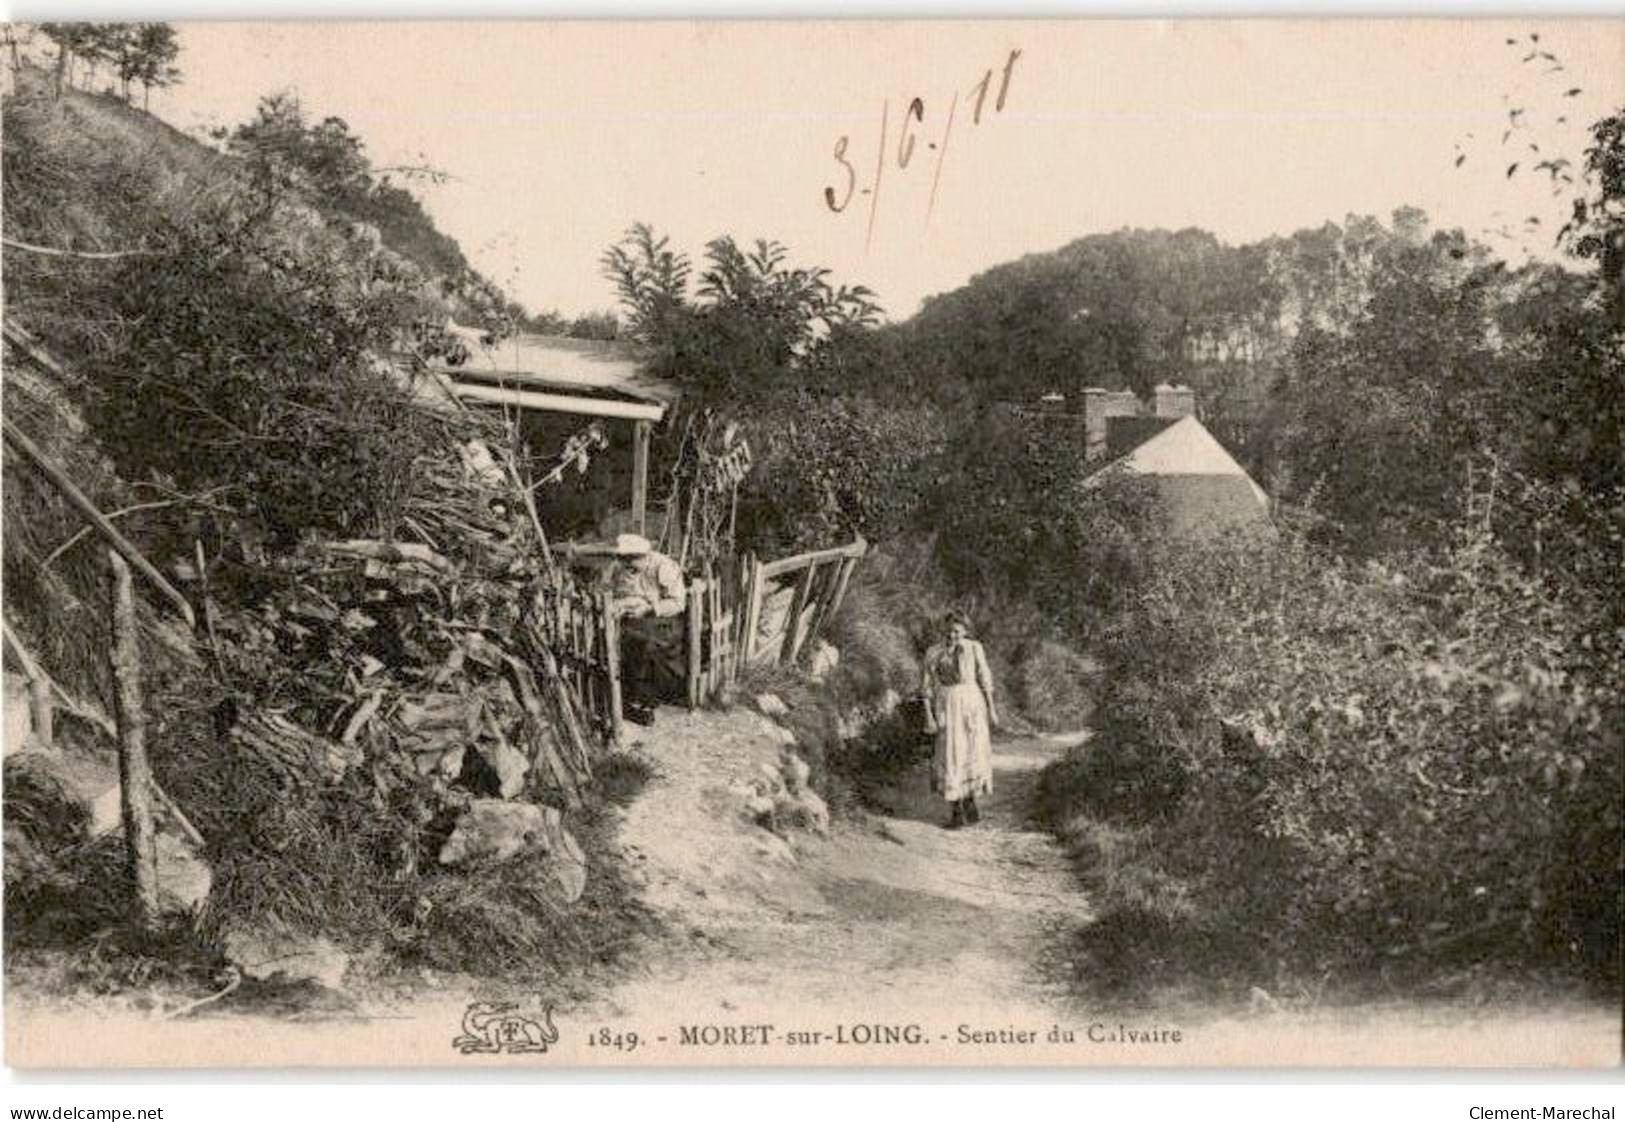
[1132, 308]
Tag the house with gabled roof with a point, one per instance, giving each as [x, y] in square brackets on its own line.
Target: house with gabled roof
[1204, 490]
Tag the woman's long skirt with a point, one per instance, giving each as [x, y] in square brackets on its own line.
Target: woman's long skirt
[963, 765]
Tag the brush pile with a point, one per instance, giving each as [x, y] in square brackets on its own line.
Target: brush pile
[410, 675]
[387, 657]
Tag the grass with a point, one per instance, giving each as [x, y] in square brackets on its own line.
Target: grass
[1151, 945]
[1052, 685]
[620, 777]
[66, 932]
[500, 924]
[1148, 935]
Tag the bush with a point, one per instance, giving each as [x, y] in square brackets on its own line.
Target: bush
[1389, 767]
[830, 468]
[1052, 684]
[245, 324]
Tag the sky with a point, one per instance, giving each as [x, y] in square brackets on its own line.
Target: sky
[560, 135]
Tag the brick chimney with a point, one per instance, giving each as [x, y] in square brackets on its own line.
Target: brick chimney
[1174, 401]
[1099, 406]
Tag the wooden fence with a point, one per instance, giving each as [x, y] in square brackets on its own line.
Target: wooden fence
[584, 637]
[756, 611]
[748, 613]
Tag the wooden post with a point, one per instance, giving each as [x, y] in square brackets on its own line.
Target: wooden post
[719, 645]
[135, 776]
[830, 603]
[559, 643]
[741, 602]
[41, 711]
[695, 621]
[41, 708]
[840, 585]
[792, 622]
[708, 653]
[753, 610]
[612, 663]
[581, 657]
[640, 475]
[740, 608]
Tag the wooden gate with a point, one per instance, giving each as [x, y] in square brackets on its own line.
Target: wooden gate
[762, 611]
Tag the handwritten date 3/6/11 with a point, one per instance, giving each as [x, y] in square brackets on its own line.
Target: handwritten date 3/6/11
[913, 130]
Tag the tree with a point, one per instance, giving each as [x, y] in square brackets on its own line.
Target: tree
[325, 158]
[156, 51]
[121, 46]
[547, 323]
[137, 52]
[102, 43]
[17, 36]
[1121, 310]
[1596, 229]
[71, 39]
[652, 281]
[753, 321]
[1594, 180]
[327, 165]
[1382, 408]
[595, 325]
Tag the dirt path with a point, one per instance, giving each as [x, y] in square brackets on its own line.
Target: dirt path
[896, 915]
[900, 922]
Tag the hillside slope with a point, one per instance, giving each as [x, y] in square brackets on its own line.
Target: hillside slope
[218, 365]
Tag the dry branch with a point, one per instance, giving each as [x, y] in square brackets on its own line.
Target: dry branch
[121, 544]
[391, 552]
[545, 746]
[40, 709]
[24, 342]
[158, 504]
[86, 254]
[302, 758]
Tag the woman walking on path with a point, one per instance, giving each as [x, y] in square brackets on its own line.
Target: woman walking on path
[957, 690]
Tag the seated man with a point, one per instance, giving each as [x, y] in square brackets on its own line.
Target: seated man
[642, 582]
[647, 589]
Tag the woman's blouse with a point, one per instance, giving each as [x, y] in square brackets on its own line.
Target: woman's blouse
[953, 664]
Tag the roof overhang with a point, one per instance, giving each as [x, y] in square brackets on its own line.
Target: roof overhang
[623, 407]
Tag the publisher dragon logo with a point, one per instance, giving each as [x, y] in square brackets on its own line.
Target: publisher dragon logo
[497, 1028]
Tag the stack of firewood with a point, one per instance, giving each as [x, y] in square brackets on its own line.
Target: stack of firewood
[390, 658]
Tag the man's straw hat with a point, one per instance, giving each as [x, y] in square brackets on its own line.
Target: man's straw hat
[621, 545]
[631, 545]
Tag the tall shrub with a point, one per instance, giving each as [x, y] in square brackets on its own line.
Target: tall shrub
[1405, 763]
